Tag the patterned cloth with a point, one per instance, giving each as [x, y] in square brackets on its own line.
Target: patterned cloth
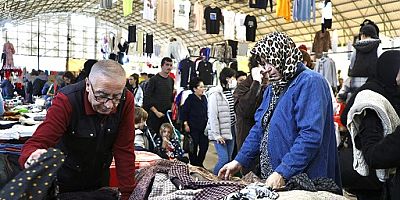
[279, 50]
[303, 182]
[175, 151]
[164, 189]
[35, 182]
[254, 191]
[178, 173]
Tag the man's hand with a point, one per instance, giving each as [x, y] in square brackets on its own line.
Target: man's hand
[34, 157]
[229, 169]
[275, 181]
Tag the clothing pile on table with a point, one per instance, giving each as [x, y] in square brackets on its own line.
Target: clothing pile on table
[176, 180]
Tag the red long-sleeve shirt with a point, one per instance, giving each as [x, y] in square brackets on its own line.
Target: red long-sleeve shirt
[58, 117]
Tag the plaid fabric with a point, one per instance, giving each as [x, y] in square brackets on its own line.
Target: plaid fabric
[36, 181]
[211, 190]
[164, 189]
[144, 179]
[178, 173]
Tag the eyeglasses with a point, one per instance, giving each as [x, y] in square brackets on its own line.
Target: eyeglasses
[104, 99]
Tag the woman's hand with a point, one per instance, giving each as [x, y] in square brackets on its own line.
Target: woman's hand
[229, 169]
[275, 181]
[220, 141]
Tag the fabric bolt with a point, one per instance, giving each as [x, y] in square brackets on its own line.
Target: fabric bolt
[37, 181]
[213, 17]
[182, 10]
[149, 6]
[165, 10]
[283, 9]
[229, 24]
[251, 26]
[198, 11]
[127, 7]
[240, 26]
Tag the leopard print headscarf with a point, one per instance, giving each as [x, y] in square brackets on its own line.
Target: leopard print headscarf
[279, 50]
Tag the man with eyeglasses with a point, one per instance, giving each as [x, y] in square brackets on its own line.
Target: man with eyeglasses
[158, 96]
[91, 121]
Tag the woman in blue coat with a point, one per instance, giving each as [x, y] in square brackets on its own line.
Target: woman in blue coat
[294, 132]
[194, 117]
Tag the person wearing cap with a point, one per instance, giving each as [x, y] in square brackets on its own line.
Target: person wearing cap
[363, 60]
[294, 134]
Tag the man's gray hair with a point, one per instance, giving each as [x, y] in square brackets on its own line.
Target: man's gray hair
[107, 68]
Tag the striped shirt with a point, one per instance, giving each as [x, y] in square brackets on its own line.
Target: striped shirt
[231, 101]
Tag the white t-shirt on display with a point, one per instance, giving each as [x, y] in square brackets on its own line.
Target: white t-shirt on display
[149, 6]
[229, 24]
[198, 11]
[240, 27]
[181, 17]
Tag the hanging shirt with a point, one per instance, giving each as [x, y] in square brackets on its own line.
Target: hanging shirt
[187, 69]
[229, 24]
[127, 7]
[240, 27]
[149, 6]
[198, 11]
[149, 43]
[234, 45]
[260, 4]
[165, 10]
[213, 17]
[302, 10]
[205, 70]
[242, 49]
[182, 10]
[251, 26]
[327, 15]
[283, 9]
[140, 42]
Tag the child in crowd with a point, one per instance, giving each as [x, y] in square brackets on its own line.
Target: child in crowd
[167, 146]
[141, 141]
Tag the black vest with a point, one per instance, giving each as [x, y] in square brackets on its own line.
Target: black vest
[87, 143]
[365, 63]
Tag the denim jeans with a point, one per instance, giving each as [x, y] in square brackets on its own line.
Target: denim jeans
[224, 152]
